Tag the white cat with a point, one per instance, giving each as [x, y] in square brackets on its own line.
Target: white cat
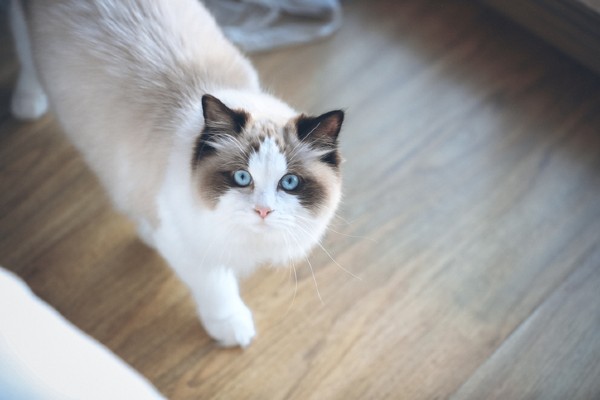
[219, 176]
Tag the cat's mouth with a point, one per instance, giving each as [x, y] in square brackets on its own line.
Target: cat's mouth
[264, 224]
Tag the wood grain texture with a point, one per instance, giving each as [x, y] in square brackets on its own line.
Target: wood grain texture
[562, 335]
[571, 25]
[471, 216]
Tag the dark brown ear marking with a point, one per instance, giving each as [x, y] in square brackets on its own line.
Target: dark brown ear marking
[324, 128]
[217, 116]
[332, 158]
[219, 120]
[322, 132]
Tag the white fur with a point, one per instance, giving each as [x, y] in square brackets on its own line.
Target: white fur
[126, 80]
[209, 248]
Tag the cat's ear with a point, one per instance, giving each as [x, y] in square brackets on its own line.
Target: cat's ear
[219, 121]
[323, 129]
[219, 117]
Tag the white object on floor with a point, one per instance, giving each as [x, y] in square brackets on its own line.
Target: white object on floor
[44, 357]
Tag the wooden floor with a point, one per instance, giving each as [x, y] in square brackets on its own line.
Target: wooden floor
[471, 217]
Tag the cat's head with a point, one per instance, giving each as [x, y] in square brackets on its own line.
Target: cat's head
[279, 183]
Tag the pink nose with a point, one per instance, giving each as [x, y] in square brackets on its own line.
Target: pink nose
[263, 211]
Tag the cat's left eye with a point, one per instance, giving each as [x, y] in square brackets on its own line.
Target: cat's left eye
[242, 178]
[290, 182]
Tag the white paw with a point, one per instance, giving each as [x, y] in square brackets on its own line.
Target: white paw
[234, 330]
[28, 101]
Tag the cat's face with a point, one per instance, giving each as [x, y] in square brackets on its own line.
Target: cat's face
[280, 184]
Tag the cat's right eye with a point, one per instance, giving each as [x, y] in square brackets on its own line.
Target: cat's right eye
[242, 178]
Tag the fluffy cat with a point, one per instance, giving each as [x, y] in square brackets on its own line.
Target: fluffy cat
[219, 176]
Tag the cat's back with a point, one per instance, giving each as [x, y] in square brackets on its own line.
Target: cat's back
[141, 43]
[124, 76]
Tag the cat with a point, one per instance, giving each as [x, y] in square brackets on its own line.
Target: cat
[219, 176]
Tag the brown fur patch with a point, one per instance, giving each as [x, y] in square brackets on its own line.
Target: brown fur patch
[215, 172]
[312, 193]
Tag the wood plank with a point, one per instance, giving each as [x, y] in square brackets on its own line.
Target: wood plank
[554, 354]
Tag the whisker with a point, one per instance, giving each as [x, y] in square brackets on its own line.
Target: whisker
[329, 255]
[295, 289]
[311, 270]
[352, 236]
[295, 151]
[226, 139]
[329, 228]
[336, 215]
[287, 245]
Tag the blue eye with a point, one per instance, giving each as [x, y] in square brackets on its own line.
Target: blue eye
[242, 178]
[290, 182]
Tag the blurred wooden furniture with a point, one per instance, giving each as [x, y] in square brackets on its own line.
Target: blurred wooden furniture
[573, 26]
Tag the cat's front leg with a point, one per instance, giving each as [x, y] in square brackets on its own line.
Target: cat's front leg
[223, 313]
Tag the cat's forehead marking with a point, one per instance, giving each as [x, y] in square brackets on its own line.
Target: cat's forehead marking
[269, 163]
[261, 130]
